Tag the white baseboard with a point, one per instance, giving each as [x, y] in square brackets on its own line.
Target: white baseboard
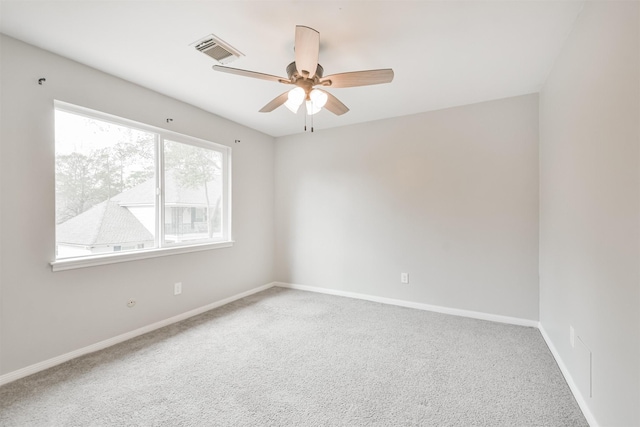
[420, 306]
[464, 313]
[32, 369]
[41, 366]
[569, 379]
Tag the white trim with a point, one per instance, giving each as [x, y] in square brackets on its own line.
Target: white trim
[122, 121]
[91, 261]
[420, 306]
[162, 248]
[582, 403]
[32, 369]
[465, 313]
[41, 366]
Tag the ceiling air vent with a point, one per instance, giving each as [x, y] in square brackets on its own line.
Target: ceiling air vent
[217, 49]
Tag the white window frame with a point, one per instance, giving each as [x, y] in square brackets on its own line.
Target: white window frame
[161, 248]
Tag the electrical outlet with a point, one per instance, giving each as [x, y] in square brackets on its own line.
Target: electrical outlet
[177, 288]
[572, 336]
[404, 277]
[131, 303]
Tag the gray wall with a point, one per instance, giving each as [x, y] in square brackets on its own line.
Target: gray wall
[47, 314]
[589, 187]
[451, 197]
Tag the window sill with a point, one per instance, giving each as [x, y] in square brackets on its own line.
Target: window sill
[91, 261]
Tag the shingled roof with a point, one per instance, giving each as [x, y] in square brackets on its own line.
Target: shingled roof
[174, 194]
[104, 223]
[110, 222]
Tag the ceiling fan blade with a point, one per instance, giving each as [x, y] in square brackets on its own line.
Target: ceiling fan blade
[358, 78]
[306, 50]
[334, 105]
[275, 103]
[253, 74]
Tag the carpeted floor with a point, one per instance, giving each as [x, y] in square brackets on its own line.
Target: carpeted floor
[294, 358]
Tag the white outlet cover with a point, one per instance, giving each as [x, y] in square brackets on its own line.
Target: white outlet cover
[404, 277]
[572, 336]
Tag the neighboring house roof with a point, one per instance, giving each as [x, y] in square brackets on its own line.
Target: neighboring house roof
[174, 193]
[110, 222]
[104, 223]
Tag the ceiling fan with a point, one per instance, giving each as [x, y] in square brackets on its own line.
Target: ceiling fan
[305, 73]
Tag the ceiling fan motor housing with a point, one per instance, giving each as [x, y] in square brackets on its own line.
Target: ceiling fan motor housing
[292, 72]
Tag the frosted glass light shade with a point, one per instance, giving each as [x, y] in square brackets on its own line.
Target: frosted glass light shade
[294, 99]
[317, 100]
[312, 108]
[318, 97]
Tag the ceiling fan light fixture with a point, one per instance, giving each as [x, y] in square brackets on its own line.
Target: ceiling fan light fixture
[312, 108]
[305, 73]
[318, 97]
[294, 99]
[317, 100]
[292, 107]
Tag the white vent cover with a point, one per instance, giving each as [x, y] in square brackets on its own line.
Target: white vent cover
[217, 49]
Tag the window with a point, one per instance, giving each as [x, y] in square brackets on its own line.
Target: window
[125, 190]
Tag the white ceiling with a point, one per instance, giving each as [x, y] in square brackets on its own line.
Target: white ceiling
[444, 53]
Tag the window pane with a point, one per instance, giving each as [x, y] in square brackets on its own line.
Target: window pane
[192, 193]
[105, 187]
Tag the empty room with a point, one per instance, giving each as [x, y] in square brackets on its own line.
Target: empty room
[320, 213]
